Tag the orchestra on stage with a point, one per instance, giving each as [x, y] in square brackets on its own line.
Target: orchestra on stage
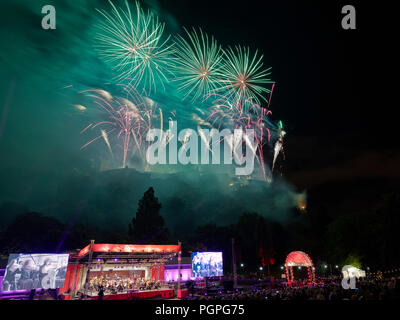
[117, 284]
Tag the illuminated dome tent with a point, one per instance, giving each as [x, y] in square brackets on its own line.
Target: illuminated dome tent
[299, 259]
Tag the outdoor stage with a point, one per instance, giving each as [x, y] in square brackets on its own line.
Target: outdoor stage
[137, 268]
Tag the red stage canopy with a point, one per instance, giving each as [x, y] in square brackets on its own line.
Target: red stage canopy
[130, 248]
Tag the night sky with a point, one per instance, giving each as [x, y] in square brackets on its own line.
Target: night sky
[330, 85]
[341, 144]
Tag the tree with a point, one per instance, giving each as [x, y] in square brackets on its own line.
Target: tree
[371, 235]
[32, 232]
[148, 226]
[215, 238]
[179, 216]
[260, 240]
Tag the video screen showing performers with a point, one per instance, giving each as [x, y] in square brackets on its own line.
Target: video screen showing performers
[207, 264]
[35, 271]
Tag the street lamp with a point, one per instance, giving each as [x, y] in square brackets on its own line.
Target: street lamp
[241, 265]
[261, 268]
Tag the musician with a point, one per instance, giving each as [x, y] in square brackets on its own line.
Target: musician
[203, 268]
[148, 284]
[209, 267]
[47, 274]
[213, 268]
[196, 266]
[119, 287]
[142, 284]
[61, 272]
[9, 280]
[197, 273]
[28, 273]
[44, 269]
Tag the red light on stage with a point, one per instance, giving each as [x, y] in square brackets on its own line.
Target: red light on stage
[130, 248]
[104, 248]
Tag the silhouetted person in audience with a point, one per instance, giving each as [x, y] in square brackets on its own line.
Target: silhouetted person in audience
[32, 294]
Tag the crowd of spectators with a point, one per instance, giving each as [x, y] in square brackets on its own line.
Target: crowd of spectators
[327, 289]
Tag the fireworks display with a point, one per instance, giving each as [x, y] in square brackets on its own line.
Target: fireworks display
[125, 118]
[245, 114]
[133, 44]
[225, 88]
[198, 64]
[244, 76]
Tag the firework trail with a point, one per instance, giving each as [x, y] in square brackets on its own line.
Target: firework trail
[79, 107]
[245, 114]
[278, 144]
[243, 75]
[105, 137]
[126, 117]
[133, 46]
[198, 64]
[277, 148]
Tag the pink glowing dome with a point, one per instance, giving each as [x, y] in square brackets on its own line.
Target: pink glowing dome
[298, 258]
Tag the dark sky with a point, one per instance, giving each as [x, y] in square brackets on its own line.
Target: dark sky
[330, 90]
[319, 67]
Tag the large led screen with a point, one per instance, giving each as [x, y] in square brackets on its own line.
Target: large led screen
[207, 264]
[35, 271]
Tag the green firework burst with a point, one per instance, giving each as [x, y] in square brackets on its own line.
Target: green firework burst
[244, 76]
[198, 64]
[133, 45]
